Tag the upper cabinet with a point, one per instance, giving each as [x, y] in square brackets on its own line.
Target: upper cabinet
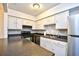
[29, 23]
[52, 20]
[11, 22]
[33, 25]
[14, 23]
[61, 20]
[19, 23]
[49, 20]
[39, 24]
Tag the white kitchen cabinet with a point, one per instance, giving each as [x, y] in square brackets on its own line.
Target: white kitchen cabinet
[43, 42]
[33, 25]
[46, 43]
[29, 23]
[11, 22]
[19, 23]
[52, 21]
[39, 24]
[61, 20]
[49, 20]
[26, 22]
[14, 23]
[57, 47]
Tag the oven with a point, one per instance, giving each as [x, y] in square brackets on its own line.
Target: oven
[26, 34]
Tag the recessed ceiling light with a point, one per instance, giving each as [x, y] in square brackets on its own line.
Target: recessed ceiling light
[36, 5]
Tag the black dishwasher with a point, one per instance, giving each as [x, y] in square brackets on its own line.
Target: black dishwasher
[36, 39]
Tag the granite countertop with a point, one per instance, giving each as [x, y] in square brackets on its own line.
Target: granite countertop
[54, 37]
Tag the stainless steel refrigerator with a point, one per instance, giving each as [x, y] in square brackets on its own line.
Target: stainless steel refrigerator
[73, 35]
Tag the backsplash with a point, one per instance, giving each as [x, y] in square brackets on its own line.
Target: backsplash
[37, 31]
[51, 30]
[61, 32]
[14, 32]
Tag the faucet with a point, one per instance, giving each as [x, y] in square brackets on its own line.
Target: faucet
[45, 33]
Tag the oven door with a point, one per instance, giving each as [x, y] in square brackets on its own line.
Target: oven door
[26, 34]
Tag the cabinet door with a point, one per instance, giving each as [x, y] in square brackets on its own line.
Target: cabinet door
[60, 48]
[49, 44]
[39, 24]
[48, 20]
[52, 21]
[57, 47]
[26, 22]
[11, 22]
[61, 20]
[59, 51]
[42, 42]
[46, 43]
[34, 25]
[19, 23]
[42, 24]
[29, 23]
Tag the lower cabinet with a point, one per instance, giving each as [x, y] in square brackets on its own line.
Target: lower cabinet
[45, 43]
[57, 47]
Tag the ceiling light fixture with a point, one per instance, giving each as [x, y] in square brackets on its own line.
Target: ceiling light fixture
[36, 5]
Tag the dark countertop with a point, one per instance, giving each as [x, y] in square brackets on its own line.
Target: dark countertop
[22, 47]
[54, 37]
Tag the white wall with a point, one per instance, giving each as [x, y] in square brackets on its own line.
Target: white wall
[57, 9]
[5, 24]
[20, 14]
[1, 21]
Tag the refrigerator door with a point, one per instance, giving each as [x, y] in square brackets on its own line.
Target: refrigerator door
[73, 46]
[77, 46]
[73, 28]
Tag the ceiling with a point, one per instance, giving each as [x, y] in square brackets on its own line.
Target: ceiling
[28, 7]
